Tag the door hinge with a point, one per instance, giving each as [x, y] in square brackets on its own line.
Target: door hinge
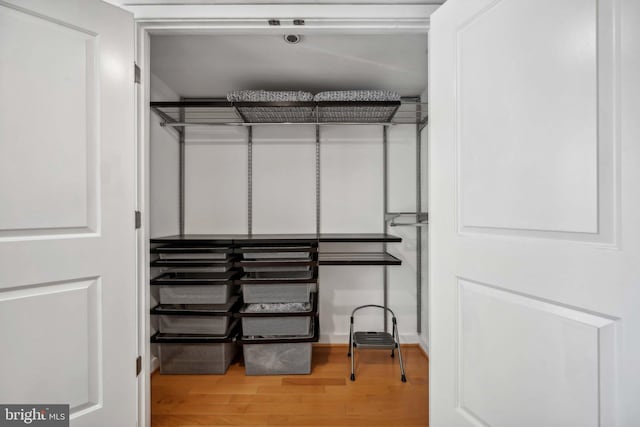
[138, 219]
[138, 365]
[136, 73]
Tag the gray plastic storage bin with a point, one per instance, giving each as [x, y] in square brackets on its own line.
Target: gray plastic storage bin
[277, 276]
[185, 294]
[209, 325]
[277, 359]
[285, 292]
[191, 256]
[266, 320]
[222, 268]
[276, 326]
[277, 255]
[178, 358]
[277, 268]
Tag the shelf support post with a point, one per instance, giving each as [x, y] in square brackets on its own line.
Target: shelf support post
[385, 207]
[181, 172]
[317, 179]
[250, 179]
[418, 210]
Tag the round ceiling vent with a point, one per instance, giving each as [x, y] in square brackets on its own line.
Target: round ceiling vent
[292, 38]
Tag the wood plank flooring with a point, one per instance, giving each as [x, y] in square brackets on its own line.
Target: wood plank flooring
[325, 398]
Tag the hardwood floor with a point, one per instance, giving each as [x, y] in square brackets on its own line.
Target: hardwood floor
[325, 398]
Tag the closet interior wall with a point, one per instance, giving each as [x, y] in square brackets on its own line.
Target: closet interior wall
[284, 202]
[164, 188]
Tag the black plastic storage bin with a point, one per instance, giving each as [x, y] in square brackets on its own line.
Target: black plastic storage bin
[196, 354]
[209, 319]
[194, 288]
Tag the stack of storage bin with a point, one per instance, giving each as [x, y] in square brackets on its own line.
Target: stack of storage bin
[195, 290]
[280, 315]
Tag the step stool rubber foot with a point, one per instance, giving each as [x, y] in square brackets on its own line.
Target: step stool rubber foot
[349, 354]
[404, 379]
[353, 377]
[392, 354]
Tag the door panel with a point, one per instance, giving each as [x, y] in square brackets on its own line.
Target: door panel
[67, 325]
[67, 235]
[511, 99]
[48, 126]
[533, 163]
[550, 349]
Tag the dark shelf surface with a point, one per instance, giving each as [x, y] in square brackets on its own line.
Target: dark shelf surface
[188, 239]
[358, 258]
[276, 262]
[359, 238]
[198, 309]
[193, 262]
[191, 279]
[190, 249]
[161, 338]
[278, 277]
[232, 333]
[245, 239]
[260, 249]
[239, 239]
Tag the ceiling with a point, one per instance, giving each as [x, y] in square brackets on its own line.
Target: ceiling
[213, 65]
[214, 2]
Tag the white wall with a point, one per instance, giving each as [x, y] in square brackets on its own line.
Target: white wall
[163, 168]
[163, 188]
[284, 179]
[352, 201]
[284, 202]
[216, 180]
[424, 336]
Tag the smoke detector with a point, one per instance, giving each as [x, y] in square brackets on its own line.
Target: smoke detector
[292, 38]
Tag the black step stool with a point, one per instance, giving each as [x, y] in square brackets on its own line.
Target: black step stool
[375, 340]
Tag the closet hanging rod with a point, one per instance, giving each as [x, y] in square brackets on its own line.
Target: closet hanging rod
[422, 216]
[422, 219]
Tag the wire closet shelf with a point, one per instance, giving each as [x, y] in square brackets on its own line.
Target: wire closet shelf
[207, 112]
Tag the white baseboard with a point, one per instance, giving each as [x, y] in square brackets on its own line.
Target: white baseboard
[424, 344]
[155, 364]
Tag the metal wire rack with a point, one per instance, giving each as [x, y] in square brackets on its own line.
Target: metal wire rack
[208, 112]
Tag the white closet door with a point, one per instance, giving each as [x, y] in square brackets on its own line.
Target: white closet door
[534, 221]
[67, 239]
